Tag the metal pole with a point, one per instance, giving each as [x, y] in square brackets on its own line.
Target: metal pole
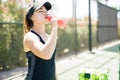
[119, 62]
[89, 26]
[74, 15]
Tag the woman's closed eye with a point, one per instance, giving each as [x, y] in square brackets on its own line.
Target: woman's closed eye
[42, 11]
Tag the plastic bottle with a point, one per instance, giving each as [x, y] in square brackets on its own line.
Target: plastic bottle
[61, 23]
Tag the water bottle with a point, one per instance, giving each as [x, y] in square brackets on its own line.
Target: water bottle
[61, 23]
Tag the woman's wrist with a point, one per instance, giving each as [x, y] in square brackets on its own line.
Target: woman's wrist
[54, 31]
[54, 28]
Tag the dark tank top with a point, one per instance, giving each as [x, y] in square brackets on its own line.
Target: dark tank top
[38, 68]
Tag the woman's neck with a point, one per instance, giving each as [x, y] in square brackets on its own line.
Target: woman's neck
[40, 29]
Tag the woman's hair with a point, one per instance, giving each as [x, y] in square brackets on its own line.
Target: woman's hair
[28, 23]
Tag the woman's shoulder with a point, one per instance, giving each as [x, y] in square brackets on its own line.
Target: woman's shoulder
[29, 38]
[29, 35]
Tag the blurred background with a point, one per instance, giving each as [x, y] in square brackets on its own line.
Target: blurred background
[86, 28]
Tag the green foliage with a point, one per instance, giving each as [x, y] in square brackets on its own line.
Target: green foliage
[11, 11]
[11, 48]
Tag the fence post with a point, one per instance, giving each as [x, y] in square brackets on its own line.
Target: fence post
[89, 26]
[119, 62]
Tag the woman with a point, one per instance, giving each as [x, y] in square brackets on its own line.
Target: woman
[38, 45]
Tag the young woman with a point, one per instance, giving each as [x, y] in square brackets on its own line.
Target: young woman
[38, 45]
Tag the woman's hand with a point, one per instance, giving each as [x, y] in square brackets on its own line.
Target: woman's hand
[54, 24]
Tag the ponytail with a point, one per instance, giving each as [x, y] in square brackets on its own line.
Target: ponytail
[28, 23]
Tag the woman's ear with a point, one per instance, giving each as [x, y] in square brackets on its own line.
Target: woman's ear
[32, 17]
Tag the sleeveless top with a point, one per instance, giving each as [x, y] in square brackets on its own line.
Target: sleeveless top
[38, 68]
